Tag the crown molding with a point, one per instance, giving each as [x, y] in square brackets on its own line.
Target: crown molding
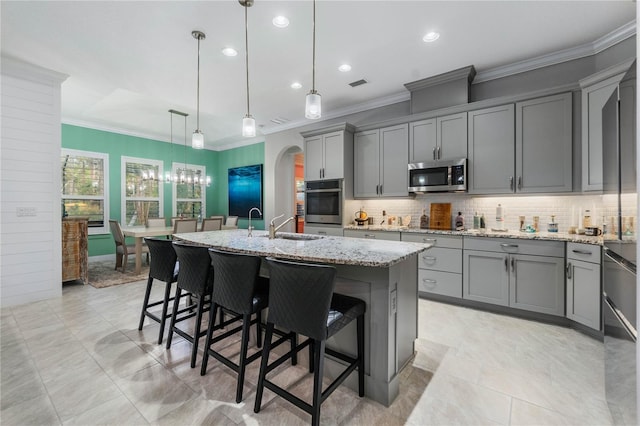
[584, 50]
[341, 112]
[238, 143]
[103, 128]
[18, 68]
[466, 73]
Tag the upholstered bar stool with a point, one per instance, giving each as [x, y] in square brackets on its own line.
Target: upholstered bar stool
[301, 299]
[239, 289]
[195, 278]
[163, 267]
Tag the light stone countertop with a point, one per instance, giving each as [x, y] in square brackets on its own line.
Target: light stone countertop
[320, 249]
[548, 236]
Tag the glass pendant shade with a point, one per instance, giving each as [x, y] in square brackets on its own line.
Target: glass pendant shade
[197, 140]
[313, 107]
[248, 126]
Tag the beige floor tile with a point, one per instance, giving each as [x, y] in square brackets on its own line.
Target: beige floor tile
[197, 411]
[117, 411]
[526, 414]
[36, 411]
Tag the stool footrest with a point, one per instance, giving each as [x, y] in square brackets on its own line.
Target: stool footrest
[275, 364]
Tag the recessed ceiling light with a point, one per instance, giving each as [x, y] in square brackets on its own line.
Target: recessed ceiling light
[431, 36]
[296, 85]
[229, 51]
[280, 21]
[344, 68]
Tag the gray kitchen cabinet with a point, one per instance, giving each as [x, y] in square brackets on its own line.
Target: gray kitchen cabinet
[372, 235]
[520, 274]
[440, 266]
[544, 144]
[491, 167]
[328, 153]
[380, 162]
[596, 90]
[438, 138]
[583, 284]
[330, 230]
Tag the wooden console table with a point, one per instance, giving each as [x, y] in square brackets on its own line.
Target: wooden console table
[75, 249]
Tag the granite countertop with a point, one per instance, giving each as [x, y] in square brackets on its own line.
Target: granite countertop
[549, 236]
[312, 248]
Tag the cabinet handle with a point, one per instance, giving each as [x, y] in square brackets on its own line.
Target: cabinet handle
[323, 173]
[370, 236]
[439, 153]
[519, 182]
[505, 245]
[578, 251]
[429, 258]
[426, 240]
[569, 270]
[433, 283]
[506, 264]
[322, 232]
[513, 265]
[434, 152]
[320, 173]
[511, 183]
[381, 190]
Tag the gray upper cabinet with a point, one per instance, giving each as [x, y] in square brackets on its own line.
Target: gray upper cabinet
[438, 138]
[596, 90]
[543, 144]
[380, 162]
[491, 167]
[328, 155]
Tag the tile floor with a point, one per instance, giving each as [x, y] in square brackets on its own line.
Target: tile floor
[80, 359]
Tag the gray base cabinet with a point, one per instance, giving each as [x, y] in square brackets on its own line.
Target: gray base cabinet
[439, 267]
[515, 273]
[583, 284]
[372, 235]
[334, 231]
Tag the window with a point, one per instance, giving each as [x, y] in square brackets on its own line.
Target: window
[141, 191]
[85, 187]
[189, 200]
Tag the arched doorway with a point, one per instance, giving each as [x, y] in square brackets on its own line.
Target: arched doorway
[289, 164]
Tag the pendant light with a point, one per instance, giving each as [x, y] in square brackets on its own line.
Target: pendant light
[313, 107]
[248, 122]
[197, 140]
[184, 175]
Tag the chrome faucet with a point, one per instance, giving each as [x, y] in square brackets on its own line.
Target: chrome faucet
[272, 227]
[251, 227]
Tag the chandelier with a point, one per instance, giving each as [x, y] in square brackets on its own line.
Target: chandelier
[182, 175]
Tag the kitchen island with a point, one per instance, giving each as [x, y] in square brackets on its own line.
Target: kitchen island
[382, 273]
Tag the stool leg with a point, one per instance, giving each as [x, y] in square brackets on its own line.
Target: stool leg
[196, 330]
[360, 337]
[259, 328]
[318, 354]
[165, 307]
[147, 292]
[294, 344]
[212, 319]
[311, 352]
[172, 323]
[263, 367]
[246, 325]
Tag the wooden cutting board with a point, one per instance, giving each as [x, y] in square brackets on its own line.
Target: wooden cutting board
[440, 216]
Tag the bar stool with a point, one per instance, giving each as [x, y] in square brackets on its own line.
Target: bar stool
[163, 267]
[301, 299]
[196, 279]
[239, 289]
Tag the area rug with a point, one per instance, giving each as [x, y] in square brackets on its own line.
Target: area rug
[102, 274]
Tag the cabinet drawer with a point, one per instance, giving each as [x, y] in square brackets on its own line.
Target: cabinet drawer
[444, 283]
[374, 235]
[441, 259]
[515, 246]
[446, 241]
[586, 252]
[334, 231]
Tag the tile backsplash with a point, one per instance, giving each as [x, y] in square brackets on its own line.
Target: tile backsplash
[565, 208]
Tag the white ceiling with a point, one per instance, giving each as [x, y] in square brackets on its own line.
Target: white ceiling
[130, 62]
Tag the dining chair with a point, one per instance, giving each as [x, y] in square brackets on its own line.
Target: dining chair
[122, 249]
[185, 225]
[156, 222]
[231, 221]
[301, 299]
[211, 224]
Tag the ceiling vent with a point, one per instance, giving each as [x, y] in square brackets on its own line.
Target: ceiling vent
[279, 120]
[358, 83]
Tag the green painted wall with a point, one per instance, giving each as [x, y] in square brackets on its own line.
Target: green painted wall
[117, 145]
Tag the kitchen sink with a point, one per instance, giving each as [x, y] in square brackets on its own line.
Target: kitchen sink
[298, 237]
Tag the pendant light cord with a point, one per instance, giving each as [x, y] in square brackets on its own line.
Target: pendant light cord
[246, 50]
[185, 134]
[198, 88]
[313, 74]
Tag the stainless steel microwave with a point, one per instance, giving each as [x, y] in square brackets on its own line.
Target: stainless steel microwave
[438, 176]
[323, 202]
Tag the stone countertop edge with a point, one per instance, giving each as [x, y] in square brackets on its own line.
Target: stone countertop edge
[547, 236]
[327, 249]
